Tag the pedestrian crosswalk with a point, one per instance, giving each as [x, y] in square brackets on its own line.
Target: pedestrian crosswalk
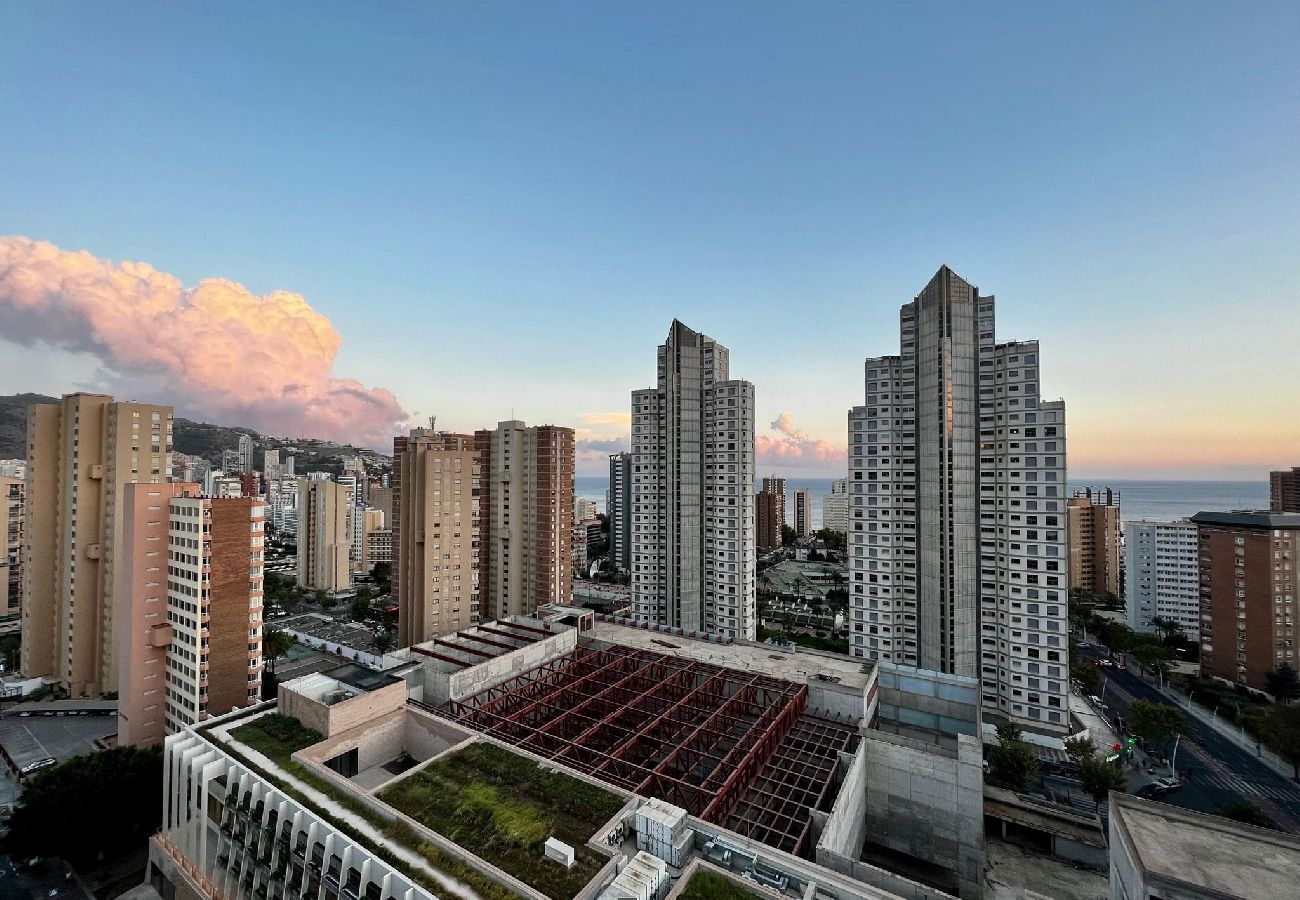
[1237, 785]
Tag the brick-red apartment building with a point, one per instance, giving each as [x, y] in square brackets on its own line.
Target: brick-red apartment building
[1248, 589]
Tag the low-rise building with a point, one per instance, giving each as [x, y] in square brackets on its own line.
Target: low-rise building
[793, 770]
[1163, 852]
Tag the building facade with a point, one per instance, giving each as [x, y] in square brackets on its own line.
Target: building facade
[835, 507]
[436, 551]
[190, 626]
[244, 454]
[693, 555]
[1249, 586]
[1094, 531]
[13, 500]
[324, 536]
[958, 522]
[525, 517]
[769, 513]
[80, 453]
[803, 515]
[618, 508]
[1163, 575]
[1284, 490]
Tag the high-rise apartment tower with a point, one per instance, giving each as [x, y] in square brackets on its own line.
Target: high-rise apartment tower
[81, 451]
[436, 550]
[525, 518]
[958, 531]
[803, 517]
[1094, 535]
[693, 560]
[324, 535]
[769, 513]
[618, 508]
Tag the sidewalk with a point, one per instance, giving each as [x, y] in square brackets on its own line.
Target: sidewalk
[1227, 730]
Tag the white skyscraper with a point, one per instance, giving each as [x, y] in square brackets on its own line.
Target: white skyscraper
[1162, 575]
[693, 558]
[957, 529]
[835, 507]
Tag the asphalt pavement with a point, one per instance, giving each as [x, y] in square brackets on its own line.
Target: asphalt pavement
[1218, 771]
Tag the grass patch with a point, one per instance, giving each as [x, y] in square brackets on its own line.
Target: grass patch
[279, 737]
[504, 807]
[706, 885]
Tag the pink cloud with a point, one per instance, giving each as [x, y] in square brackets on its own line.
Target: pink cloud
[791, 444]
[216, 351]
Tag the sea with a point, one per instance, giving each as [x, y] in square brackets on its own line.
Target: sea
[1160, 500]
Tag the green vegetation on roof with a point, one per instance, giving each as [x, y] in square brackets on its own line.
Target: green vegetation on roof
[707, 885]
[504, 806]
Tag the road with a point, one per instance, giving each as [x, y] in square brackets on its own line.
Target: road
[1219, 770]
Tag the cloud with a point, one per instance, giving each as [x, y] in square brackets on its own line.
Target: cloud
[603, 445]
[216, 351]
[621, 419]
[792, 444]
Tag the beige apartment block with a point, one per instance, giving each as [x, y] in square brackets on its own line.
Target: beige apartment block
[13, 492]
[435, 535]
[144, 626]
[526, 512]
[81, 452]
[1094, 532]
[324, 538]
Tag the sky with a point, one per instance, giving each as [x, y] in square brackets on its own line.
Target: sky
[329, 219]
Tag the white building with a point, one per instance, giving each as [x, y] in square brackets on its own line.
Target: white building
[835, 507]
[214, 606]
[271, 467]
[693, 556]
[13, 468]
[1162, 579]
[958, 538]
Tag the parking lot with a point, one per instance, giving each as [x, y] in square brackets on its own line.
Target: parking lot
[30, 738]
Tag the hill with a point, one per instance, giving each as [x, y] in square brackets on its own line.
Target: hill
[194, 438]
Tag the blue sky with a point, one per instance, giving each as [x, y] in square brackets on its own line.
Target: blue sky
[500, 207]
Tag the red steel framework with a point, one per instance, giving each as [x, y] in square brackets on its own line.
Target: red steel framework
[733, 748]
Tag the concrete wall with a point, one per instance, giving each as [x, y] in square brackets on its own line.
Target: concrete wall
[919, 698]
[333, 720]
[442, 686]
[926, 804]
[387, 737]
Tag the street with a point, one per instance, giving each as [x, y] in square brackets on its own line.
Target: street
[1218, 771]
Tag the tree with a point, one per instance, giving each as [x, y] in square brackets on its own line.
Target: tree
[1116, 636]
[1167, 627]
[90, 807]
[1012, 761]
[359, 608]
[329, 601]
[1157, 722]
[1088, 677]
[1099, 778]
[276, 643]
[1283, 683]
[1079, 749]
[1153, 656]
[788, 536]
[1282, 728]
[384, 641]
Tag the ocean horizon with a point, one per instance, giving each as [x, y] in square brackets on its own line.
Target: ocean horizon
[1139, 498]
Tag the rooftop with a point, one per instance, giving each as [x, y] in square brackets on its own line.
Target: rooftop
[809, 666]
[1207, 852]
[1249, 518]
[734, 746]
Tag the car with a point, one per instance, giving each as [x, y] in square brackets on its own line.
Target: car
[1167, 784]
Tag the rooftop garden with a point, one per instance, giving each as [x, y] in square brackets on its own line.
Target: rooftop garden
[707, 885]
[278, 737]
[504, 806]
